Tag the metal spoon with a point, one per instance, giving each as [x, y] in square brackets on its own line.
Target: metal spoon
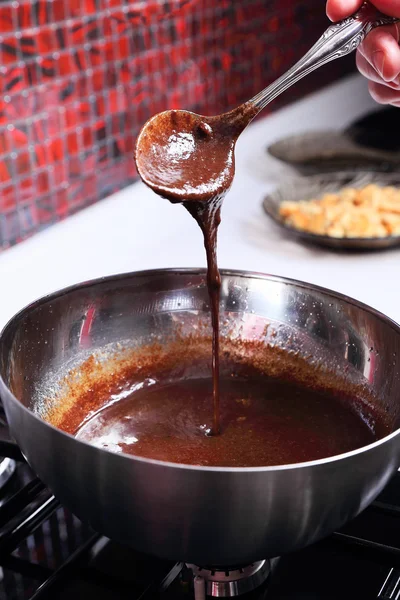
[339, 39]
[184, 156]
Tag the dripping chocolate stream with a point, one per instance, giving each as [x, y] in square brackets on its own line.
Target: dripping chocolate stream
[208, 217]
[189, 159]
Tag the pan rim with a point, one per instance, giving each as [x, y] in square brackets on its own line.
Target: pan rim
[4, 389]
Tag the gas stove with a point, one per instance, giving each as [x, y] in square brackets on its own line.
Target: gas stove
[46, 552]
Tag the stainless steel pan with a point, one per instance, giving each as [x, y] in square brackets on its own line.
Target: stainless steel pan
[207, 516]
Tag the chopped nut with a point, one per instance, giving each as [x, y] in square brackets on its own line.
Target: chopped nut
[367, 212]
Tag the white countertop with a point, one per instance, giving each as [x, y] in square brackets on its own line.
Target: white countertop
[134, 229]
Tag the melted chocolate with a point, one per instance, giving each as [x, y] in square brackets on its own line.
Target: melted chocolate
[275, 406]
[186, 157]
[209, 217]
[264, 421]
[189, 158]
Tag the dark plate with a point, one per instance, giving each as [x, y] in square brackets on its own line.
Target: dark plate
[370, 143]
[296, 189]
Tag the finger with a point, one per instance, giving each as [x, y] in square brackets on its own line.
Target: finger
[372, 74]
[339, 9]
[381, 49]
[388, 7]
[367, 69]
[383, 94]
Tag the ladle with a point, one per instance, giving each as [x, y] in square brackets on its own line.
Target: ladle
[184, 156]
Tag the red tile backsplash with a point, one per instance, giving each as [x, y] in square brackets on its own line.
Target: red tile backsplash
[79, 77]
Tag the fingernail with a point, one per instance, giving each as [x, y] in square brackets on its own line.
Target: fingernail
[378, 59]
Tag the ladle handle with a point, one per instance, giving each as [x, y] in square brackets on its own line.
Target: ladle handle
[338, 40]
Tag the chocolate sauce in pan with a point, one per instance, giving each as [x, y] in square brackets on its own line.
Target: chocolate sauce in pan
[189, 158]
[264, 421]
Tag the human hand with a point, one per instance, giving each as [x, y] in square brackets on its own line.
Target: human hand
[378, 57]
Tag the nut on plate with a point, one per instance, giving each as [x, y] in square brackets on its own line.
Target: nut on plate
[369, 212]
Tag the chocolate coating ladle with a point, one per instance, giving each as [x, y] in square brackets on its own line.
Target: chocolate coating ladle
[184, 156]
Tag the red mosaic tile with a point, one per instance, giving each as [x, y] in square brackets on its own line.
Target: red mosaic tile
[79, 78]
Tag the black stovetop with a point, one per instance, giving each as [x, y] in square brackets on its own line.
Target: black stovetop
[46, 552]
